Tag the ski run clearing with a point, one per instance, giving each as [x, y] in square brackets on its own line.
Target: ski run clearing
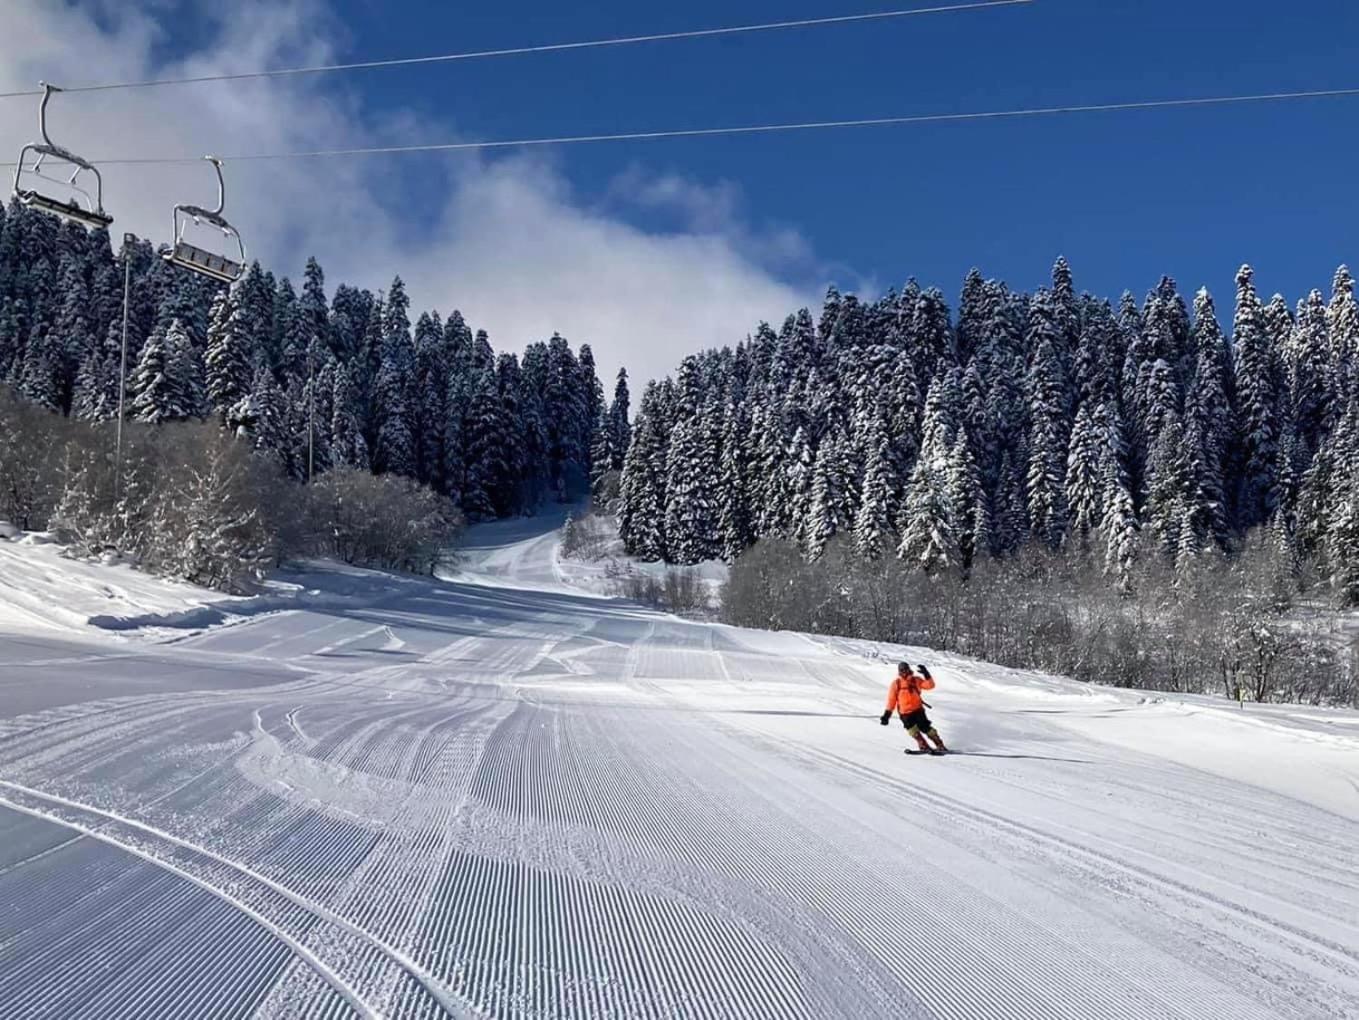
[498, 796]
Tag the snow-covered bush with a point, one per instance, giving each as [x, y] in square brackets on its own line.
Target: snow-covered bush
[587, 538]
[382, 520]
[1229, 626]
[194, 502]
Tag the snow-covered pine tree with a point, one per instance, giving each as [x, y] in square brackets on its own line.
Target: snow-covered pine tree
[1170, 492]
[905, 407]
[1085, 475]
[973, 315]
[601, 453]
[591, 393]
[395, 450]
[830, 510]
[268, 416]
[313, 308]
[1160, 398]
[11, 348]
[1096, 366]
[1343, 540]
[967, 501]
[40, 374]
[159, 388]
[1209, 418]
[734, 524]
[943, 417]
[485, 436]
[1310, 374]
[187, 365]
[1259, 401]
[641, 521]
[932, 346]
[928, 540]
[1166, 329]
[1066, 312]
[801, 469]
[620, 420]
[347, 447]
[229, 359]
[1121, 528]
[96, 392]
[71, 335]
[691, 516]
[1342, 318]
[564, 409]
[430, 400]
[1049, 433]
[874, 536]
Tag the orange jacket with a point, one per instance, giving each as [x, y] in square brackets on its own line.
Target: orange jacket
[904, 695]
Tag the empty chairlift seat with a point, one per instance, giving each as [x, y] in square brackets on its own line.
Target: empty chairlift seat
[194, 258]
[219, 267]
[27, 178]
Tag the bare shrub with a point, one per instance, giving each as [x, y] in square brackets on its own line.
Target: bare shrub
[1222, 625]
[586, 538]
[382, 520]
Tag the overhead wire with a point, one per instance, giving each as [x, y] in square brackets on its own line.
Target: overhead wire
[702, 33]
[756, 129]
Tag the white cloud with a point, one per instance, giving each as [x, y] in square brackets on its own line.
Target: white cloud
[513, 247]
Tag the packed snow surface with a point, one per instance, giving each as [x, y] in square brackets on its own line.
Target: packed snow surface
[496, 796]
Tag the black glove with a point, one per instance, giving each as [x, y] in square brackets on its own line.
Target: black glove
[887, 717]
[924, 671]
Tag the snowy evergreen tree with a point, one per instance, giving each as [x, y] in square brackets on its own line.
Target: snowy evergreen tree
[228, 362]
[1121, 528]
[395, 451]
[733, 506]
[691, 516]
[97, 382]
[164, 384]
[967, 501]
[1343, 541]
[928, 539]
[874, 536]
[40, 374]
[830, 510]
[1342, 318]
[1085, 474]
[485, 440]
[620, 414]
[1049, 432]
[1310, 374]
[1209, 417]
[346, 434]
[641, 523]
[1260, 406]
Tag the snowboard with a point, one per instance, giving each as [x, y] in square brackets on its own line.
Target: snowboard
[916, 752]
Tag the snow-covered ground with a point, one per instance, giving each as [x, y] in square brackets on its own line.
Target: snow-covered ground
[494, 795]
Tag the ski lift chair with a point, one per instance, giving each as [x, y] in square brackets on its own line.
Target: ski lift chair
[200, 260]
[91, 214]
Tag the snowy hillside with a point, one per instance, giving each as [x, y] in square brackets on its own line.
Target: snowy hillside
[494, 796]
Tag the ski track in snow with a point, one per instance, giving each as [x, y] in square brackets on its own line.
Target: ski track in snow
[501, 799]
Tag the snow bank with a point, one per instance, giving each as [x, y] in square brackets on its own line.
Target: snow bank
[42, 587]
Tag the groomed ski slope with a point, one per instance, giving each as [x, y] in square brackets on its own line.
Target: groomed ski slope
[502, 798]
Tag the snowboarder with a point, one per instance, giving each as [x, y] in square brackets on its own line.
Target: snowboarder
[904, 697]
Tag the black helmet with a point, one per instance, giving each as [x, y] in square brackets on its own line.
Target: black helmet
[903, 667]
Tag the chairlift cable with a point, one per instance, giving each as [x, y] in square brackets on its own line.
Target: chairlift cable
[702, 33]
[755, 129]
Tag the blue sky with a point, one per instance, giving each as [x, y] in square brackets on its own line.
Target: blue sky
[1125, 196]
[649, 249]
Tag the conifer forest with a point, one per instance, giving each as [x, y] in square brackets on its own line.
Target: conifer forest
[1058, 447]
[307, 381]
